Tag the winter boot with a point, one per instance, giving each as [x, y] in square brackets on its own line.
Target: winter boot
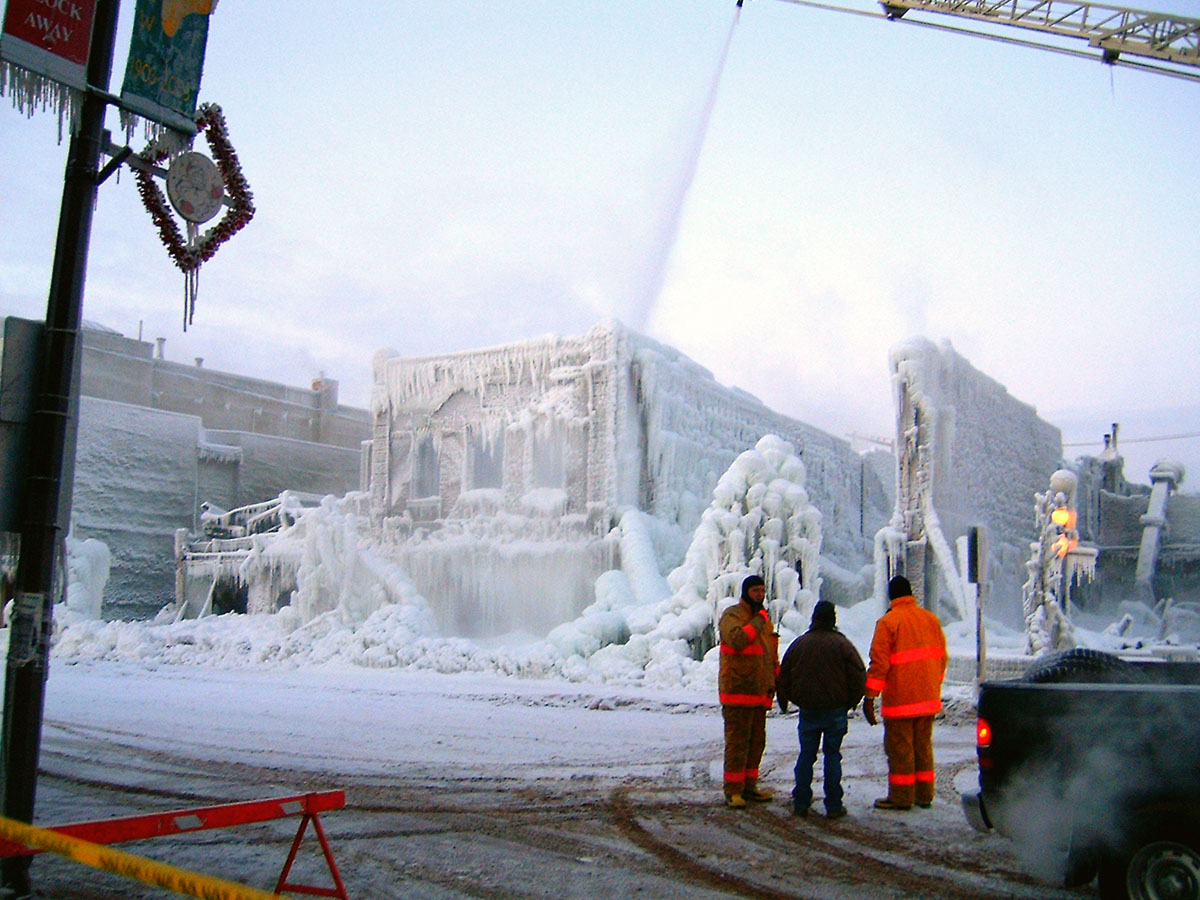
[753, 792]
[735, 801]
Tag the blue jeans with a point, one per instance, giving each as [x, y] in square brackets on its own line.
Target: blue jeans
[816, 725]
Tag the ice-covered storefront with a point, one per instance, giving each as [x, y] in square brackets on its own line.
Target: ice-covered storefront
[496, 476]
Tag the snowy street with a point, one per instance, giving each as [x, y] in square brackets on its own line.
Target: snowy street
[475, 786]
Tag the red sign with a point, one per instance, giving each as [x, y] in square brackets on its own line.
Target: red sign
[57, 28]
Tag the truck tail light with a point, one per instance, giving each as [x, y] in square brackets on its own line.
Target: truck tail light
[983, 734]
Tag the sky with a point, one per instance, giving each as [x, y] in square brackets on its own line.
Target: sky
[783, 194]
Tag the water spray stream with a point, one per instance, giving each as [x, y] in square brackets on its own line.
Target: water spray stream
[668, 231]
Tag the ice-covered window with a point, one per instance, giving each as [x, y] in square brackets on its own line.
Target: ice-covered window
[548, 469]
[426, 475]
[485, 462]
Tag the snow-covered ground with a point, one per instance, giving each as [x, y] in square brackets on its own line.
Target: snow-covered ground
[582, 762]
[481, 785]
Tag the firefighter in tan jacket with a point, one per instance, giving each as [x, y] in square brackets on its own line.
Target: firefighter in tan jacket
[908, 663]
[749, 664]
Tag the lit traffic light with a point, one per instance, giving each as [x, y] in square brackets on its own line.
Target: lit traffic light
[1064, 517]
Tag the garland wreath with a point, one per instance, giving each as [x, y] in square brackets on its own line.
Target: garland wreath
[189, 255]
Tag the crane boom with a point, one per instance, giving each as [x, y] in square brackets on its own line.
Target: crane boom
[1114, 30]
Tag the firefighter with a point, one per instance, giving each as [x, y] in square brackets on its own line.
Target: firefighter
[749, 664]
[908, 663]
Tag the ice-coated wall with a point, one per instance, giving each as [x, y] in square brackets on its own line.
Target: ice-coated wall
[1117, 529]
[270, 464]
[135, 483]
[693, 428]
[141, 473]
[969, 454]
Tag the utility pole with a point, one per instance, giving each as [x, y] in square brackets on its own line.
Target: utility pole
[46, 501]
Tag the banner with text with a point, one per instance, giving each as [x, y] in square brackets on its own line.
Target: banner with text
[166, 60]
[44, 51]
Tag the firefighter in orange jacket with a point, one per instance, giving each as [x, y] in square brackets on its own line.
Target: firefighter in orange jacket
[749, 664]
[908, 663]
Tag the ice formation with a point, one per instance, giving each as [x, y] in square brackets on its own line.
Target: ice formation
[1052, 568]
[524, 502]
[353, 605]
[968, 454]
[87, 573]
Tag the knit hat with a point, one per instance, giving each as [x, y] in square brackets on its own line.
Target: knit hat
[824, 613]
[899, 587]
[751, 581]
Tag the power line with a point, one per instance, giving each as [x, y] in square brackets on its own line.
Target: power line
[1146, 440]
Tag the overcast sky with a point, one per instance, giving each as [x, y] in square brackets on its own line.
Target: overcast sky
[438, 176]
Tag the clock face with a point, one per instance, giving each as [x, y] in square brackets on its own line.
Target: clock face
[194, 186]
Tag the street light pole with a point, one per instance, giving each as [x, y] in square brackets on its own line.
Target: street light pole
[46, 500]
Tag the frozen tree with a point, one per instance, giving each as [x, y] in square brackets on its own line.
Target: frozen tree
[760, 522]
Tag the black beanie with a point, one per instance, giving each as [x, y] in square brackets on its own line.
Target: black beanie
[824, 613]
[899, 587]
[751, 581]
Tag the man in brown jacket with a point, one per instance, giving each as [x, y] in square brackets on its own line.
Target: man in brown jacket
[749, 661]
[822, 674]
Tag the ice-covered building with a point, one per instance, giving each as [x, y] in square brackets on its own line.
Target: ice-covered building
[158, 438]
[1148, 538]
[496, 476]
[969, 454]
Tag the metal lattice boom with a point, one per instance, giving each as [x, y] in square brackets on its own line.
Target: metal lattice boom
[1115, 30]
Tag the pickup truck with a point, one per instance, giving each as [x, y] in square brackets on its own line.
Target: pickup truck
[1091, 764]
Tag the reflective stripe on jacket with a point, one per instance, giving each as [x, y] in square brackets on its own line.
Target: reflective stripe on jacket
[749, 657]
[908, 661]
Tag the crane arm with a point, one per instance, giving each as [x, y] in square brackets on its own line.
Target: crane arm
[1114, 30]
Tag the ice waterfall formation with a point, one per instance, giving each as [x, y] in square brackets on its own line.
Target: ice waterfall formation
[354, 604]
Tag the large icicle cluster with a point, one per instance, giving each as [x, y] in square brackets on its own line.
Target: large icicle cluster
[353, 606]
[925, 454]
[760, 522]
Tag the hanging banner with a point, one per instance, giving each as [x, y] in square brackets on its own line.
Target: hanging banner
[44, 51]
[166, 60]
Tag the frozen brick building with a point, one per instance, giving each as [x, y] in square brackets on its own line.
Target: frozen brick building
[500, 472]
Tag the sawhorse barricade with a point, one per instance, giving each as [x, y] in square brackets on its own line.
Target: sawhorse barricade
[182, 821]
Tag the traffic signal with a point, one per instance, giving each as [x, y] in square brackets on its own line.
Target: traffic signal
[1064, 517]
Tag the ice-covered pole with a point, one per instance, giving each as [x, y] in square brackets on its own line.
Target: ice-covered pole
[1164, 478]
[46, 501]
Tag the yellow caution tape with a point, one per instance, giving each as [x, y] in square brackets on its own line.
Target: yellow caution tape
[139, 868]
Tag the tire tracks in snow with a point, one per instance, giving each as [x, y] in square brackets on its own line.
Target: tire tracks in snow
[835, 854]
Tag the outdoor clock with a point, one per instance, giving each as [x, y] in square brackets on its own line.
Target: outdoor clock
[195, 187]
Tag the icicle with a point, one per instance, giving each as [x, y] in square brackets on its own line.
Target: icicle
[191, 286]
[191, 278]
[162, 137]
[31, 92]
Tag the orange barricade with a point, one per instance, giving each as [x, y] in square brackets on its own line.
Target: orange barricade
[181, 821]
